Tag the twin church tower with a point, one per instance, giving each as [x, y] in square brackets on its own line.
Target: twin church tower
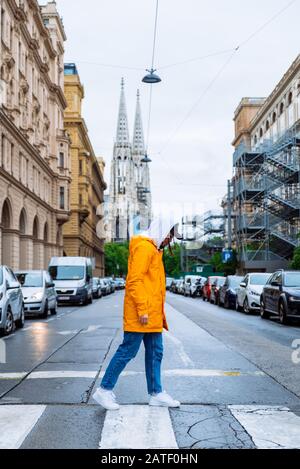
[130, 196]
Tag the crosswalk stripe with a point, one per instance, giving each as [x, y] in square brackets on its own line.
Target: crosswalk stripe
[184, 372]
[16, 422]
[138, 427]
[269, 426]
[200, 373]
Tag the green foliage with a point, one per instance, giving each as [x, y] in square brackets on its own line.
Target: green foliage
[295, 264]
[172, 263]
[229, 268]
[116, 258]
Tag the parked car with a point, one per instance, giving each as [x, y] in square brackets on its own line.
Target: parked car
[249, 292]
[189, 284]
[179, 287]
[97, 292]
[281, 296]
[38, 292]
[120, 283]
[227, 294]
[11, 302]
[207, 287]
[72, 277]
[215, 289]
[173, 286]
[169, 281]
[110, 282]
[105, 287]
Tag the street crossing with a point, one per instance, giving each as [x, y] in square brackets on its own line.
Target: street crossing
[142, 426]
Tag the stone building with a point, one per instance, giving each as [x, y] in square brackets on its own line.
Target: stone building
[80, 234]
[266, 183]
[34, 148]
[129, 202]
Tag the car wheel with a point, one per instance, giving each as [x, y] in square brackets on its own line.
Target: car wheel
[53, 311]
[246, 308]
[44, 315]
[21, 321]
[283, 317]
[263, 313]
[9, 324]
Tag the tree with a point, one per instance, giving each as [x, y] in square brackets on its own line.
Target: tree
[229, 268]
[116, 258]
[172, 263]
[295, 264]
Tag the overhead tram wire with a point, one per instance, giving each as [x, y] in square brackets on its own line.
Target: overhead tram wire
[234, 51]
[151, 85]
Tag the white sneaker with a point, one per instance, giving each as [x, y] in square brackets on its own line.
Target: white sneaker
[106, 399]
[163, 400]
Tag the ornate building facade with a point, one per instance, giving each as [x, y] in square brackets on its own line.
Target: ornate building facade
[80, 234]
[34, 148]
[129, 202]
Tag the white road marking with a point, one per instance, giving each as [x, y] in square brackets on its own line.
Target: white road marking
[187, 361]
[68, 332]
[19, 375]
[138, 427]
[91, 329]
[16, 422]
[62, 374]
[270, 427]
[198, 373]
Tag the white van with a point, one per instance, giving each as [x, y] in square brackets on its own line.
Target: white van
[73, 279]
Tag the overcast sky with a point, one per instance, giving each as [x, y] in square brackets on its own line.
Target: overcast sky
[193, 162]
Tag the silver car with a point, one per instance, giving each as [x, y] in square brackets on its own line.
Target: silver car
[11, 302]
[38, 292]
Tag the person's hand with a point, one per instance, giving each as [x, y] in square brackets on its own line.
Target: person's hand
[144, 319]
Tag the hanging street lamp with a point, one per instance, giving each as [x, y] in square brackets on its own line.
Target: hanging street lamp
[151, 77]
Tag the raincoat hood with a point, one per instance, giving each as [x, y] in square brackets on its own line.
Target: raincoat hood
[159, 229]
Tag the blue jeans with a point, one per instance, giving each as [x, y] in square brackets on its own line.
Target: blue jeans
[127, 351]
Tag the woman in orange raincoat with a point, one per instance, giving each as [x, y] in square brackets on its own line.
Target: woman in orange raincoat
[144, 316]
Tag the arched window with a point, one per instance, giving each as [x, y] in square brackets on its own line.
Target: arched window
[22, 222]
[290, 98]
[281, 108]
[255, 139]
[267, 125]
[35, 229]
[274, 117]
[6, 215]
[261, 132]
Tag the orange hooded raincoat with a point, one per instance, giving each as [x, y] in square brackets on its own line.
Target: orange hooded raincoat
[146, 282]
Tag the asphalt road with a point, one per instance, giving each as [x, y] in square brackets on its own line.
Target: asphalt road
[233, 374]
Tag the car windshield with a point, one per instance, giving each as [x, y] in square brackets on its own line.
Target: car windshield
[30, 279]
[292, 279]
[95, 281]
[235, 281]
[220, 282]
[67, 272]
[259, 279]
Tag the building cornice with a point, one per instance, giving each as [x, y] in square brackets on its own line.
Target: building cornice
[279, 88]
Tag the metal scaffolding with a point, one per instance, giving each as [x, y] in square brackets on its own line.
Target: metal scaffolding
[266, 199]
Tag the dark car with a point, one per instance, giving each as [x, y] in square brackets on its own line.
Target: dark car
[281, 296]
[215, 289]
[227, 294]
